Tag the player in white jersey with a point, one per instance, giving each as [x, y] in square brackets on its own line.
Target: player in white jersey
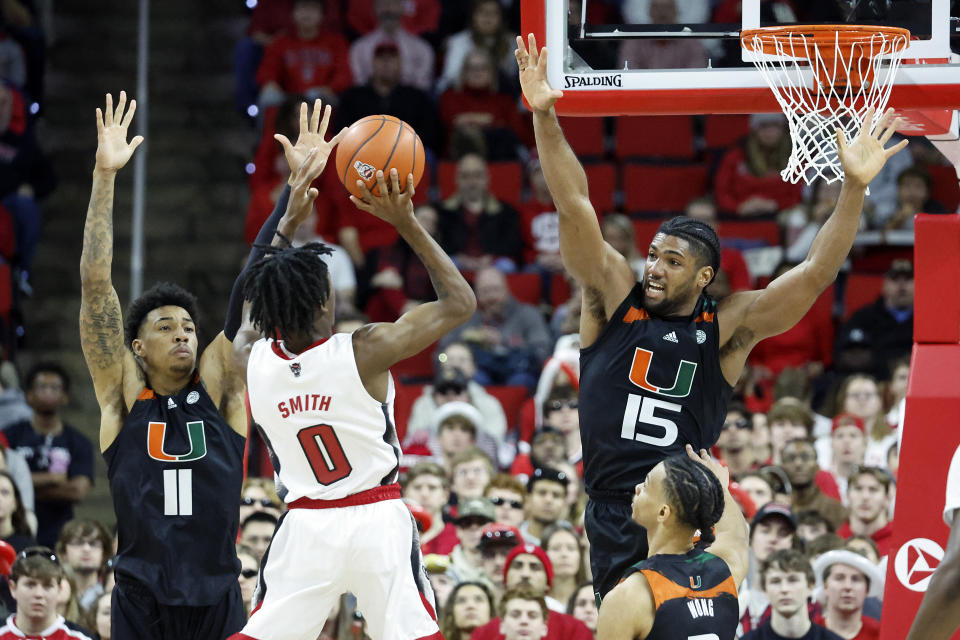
[325, 404]
[939, 615]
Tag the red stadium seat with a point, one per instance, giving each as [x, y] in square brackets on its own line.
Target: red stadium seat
[585, 135]
[766, 230]
[511, 399]
[862, 289]
[654, 137]
[559, 290]
[406, 395]
[654, 188]
[643, 232]
[526, 287]
[602, 180]
[721, 131]
[944, 188]
[418, 368]
[506, 180]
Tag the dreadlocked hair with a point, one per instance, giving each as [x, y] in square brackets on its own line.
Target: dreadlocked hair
[696, 493]
[285, 288]
[702, 238]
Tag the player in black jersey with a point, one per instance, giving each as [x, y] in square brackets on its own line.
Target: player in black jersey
[659, 357]
[172, 425]
[683, 590]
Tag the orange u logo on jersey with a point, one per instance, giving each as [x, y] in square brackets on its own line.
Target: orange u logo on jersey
[156, 436]
[682, 382]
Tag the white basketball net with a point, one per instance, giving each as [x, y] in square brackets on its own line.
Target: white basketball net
[810, 81]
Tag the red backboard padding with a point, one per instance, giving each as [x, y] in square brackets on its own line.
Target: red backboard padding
[649, 187]
[602, 181]
[654, 137]
[406, 395]
[930, 437]
[937, 279]
[945, 189]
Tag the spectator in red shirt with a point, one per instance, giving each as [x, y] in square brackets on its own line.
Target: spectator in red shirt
[475, 108]
[427, 485]
[868, 494]
[540, 224]
[35, 583]
[748, 182]
[523, 615]
[848, 444]
[847, 579]
[312, 61]
[528, 567]
[419, 17]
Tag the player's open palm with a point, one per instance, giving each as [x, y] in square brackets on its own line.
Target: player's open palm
[533, 75]
[313, 131]
[391, 205]
[113, 150]
[862, 160]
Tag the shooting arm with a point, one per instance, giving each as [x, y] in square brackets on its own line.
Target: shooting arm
[732, 538]
[379, 346]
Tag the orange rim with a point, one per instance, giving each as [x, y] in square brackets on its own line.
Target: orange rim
[765, 39]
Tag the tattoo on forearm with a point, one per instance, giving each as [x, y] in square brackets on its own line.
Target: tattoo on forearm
[101, 328]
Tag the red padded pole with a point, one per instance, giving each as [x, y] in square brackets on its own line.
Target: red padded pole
[936, 304]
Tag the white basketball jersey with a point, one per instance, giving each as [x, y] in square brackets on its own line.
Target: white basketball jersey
[328, 438]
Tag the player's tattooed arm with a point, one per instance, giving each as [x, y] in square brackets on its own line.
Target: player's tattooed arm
[101, 324]
[380, 346]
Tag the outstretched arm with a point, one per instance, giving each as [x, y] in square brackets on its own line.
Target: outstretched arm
[101, 324]
[732, 533]
[380, 346]
[751, 316]
[593, 262]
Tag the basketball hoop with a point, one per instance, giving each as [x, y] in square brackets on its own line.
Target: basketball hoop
[825, 77]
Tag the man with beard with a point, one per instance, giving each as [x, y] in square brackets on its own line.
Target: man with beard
[60, 457]
[659, 357]
[800, 462]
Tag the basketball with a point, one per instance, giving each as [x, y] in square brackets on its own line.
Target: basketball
[379, 143]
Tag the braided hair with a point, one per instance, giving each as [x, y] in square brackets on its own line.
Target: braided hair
[696, 494]
[702, 238]
[286, 287]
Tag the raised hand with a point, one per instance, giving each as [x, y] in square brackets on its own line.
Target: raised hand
[533, 75]
[313, 130]
[302, 194]
[722, 473]
[391, 205]
[862, 160]
[113, 150]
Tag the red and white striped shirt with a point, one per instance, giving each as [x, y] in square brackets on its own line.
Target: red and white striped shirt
[57, 631]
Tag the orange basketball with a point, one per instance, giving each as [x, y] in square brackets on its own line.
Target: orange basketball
[379, 143]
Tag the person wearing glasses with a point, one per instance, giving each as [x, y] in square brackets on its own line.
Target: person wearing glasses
[869, 492]
[259, 494]
[507, 494]
[735, 441]
[85, 545]
[35, 583]
[249, 570]
[497, 540]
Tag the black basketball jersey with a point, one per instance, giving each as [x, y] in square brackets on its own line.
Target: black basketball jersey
[694, 596]
[175, 472]
[648, 386]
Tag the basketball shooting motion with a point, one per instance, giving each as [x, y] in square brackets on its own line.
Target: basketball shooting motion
[324, 401]
[660, 357]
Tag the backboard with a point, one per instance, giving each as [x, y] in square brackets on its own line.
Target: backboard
[601, 74]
